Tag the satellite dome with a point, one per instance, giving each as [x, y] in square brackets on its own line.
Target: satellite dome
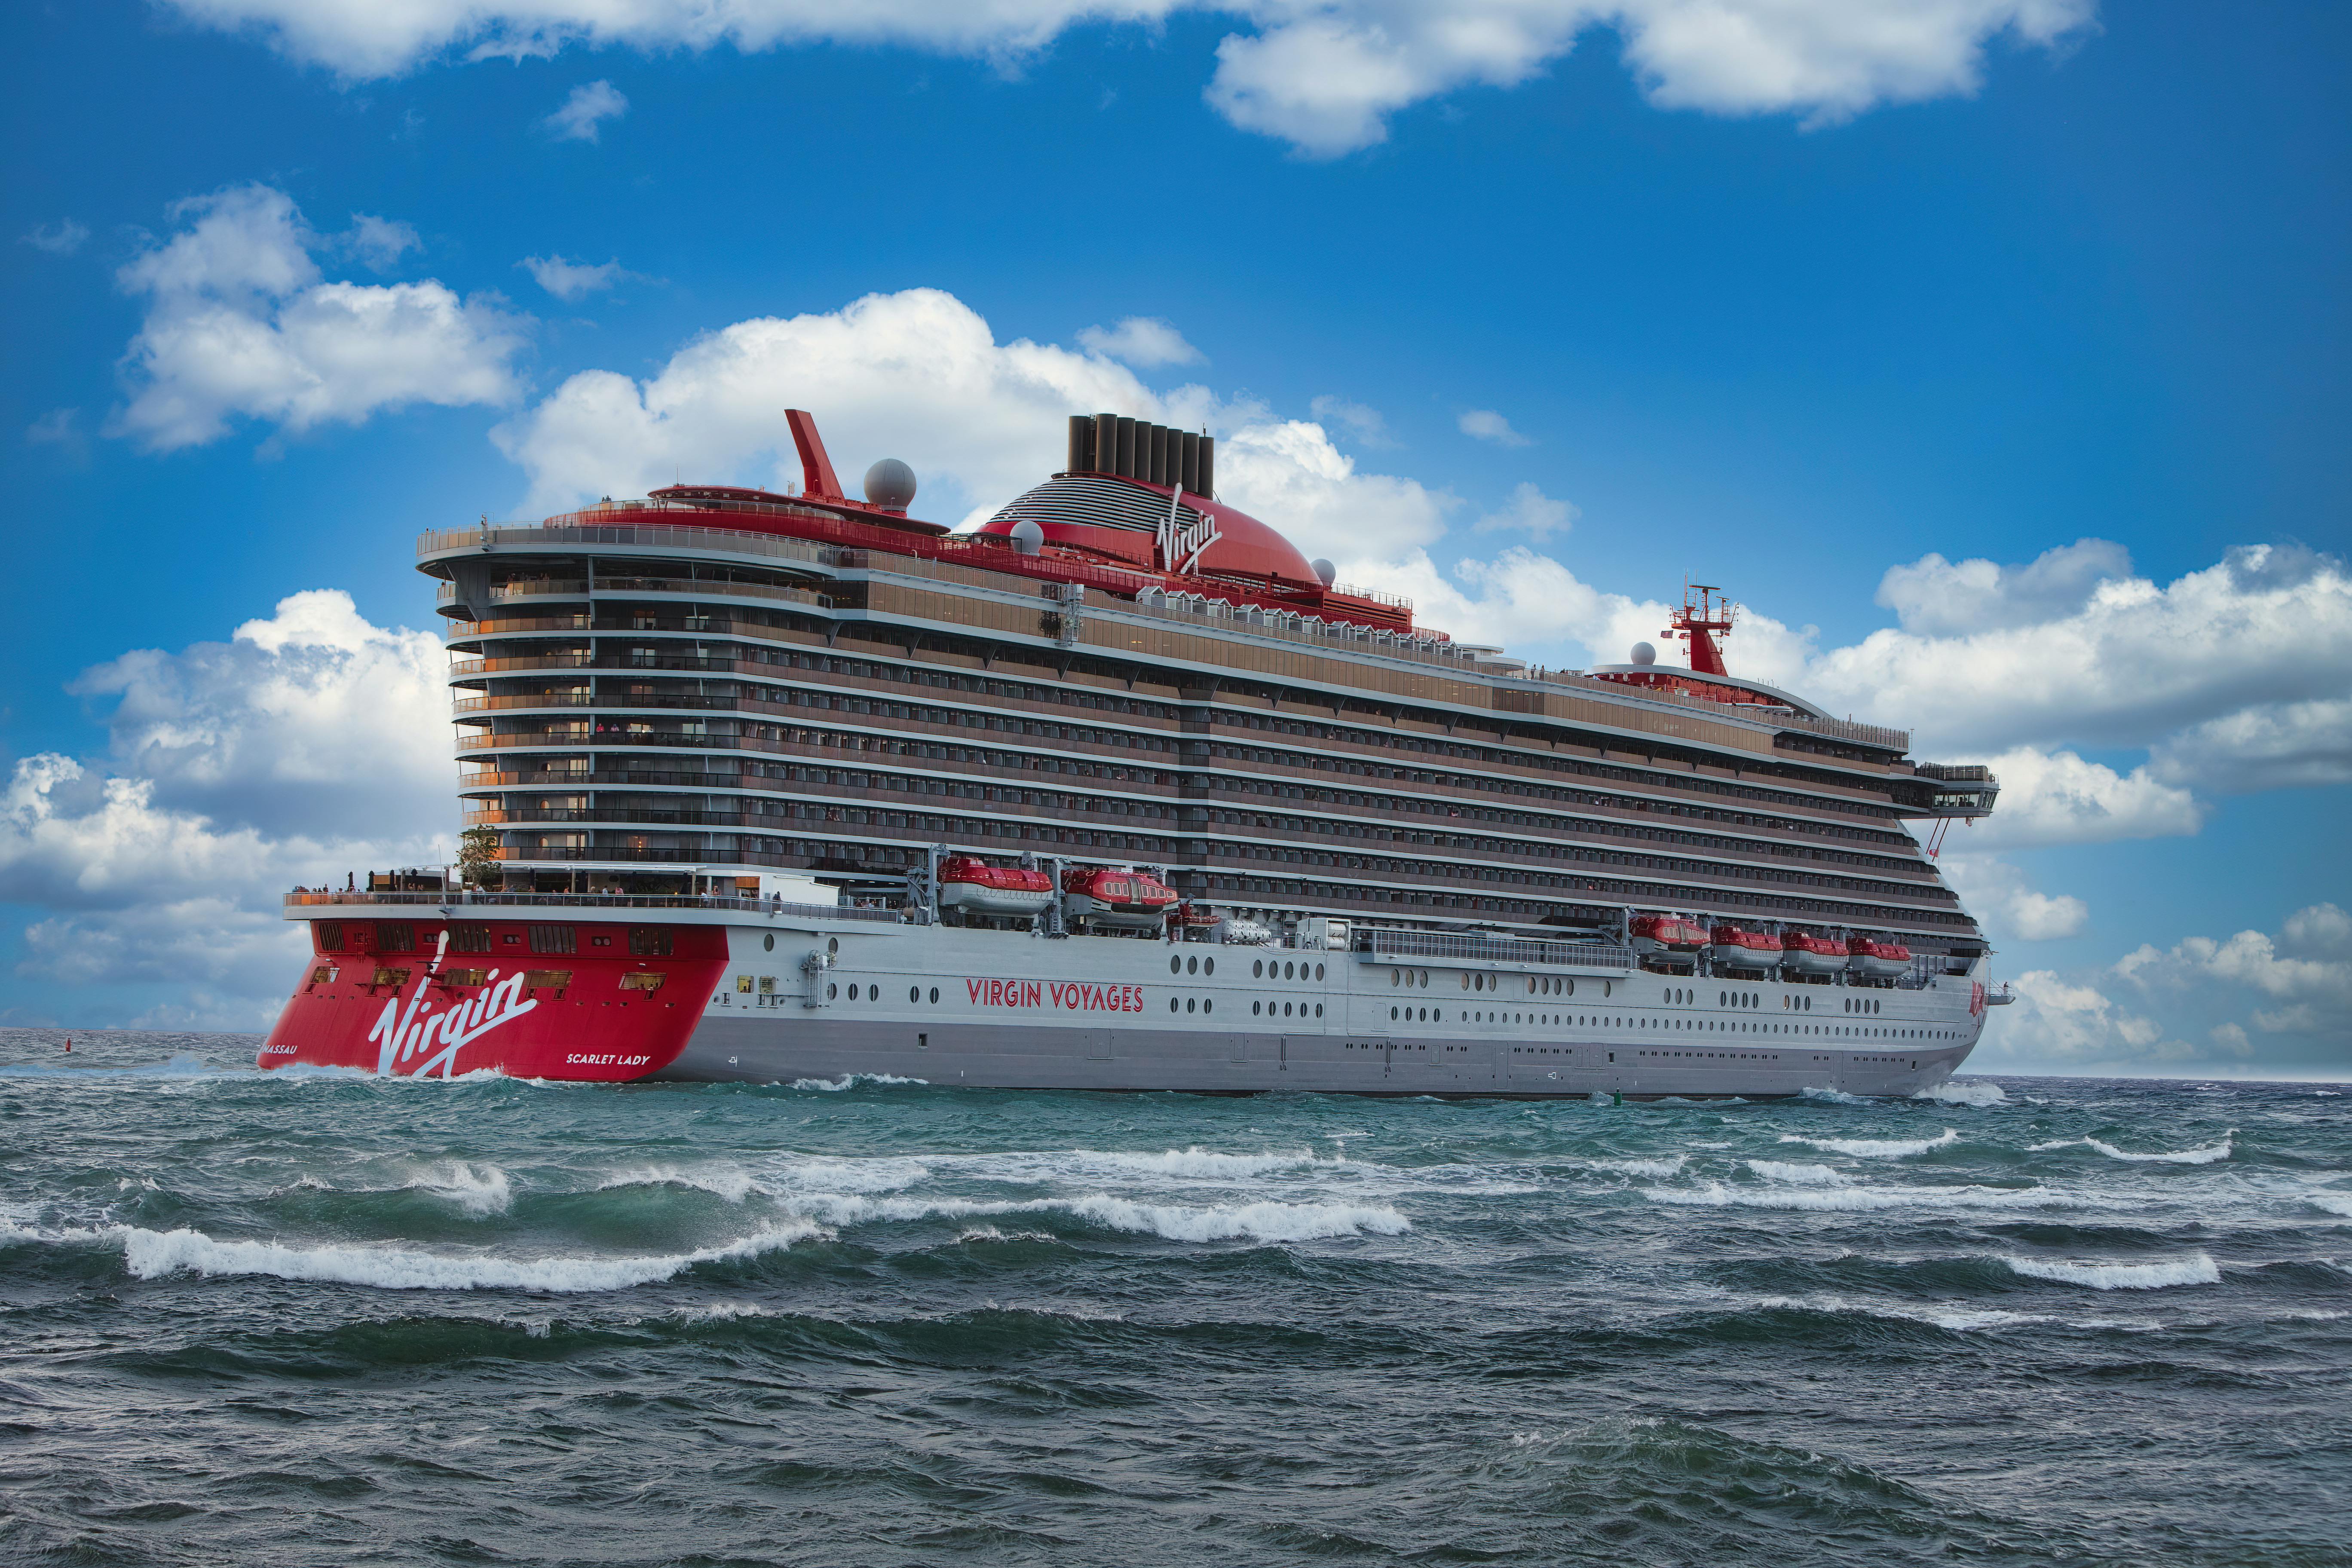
[1644, 654]
[1027, 537]
[890, 485]
[1325, 570]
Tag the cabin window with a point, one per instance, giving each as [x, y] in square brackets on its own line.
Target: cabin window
[652, 942]
[394, 936]
[330, 935]
[469, 939]
[547, 979]
[553, 938]
[642, 980]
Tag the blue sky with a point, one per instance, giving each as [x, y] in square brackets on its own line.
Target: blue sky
[1529, 325]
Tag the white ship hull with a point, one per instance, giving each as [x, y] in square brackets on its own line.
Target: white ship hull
[1000, 1010]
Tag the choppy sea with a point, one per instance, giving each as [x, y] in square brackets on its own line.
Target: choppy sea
[314, 1317]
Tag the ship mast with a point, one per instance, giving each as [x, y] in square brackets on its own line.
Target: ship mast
[1699, 622]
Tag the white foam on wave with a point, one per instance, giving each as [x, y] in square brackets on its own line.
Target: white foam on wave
[1799, 1176]
[729, 1182]
[1176, 1222]
[1661, 1169]
[1877, 1148]
[1964, 1091]
[153, 1255]
[2205, 1155]
[2333, 1203]
[1831, 1097]
[1198, 1162]
[481, 1193]
[1721, 1195]
[2197, 1269]
[1944, 1315]
[990, 1233]
[852, 1079]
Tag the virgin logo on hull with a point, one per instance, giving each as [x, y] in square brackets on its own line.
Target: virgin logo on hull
[417, 1031]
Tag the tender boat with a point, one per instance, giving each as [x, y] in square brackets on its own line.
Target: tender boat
[1877, 960]
[1667, 940]
[1811, 955]
[972, 886]
[1097, 898]
[1748, 952]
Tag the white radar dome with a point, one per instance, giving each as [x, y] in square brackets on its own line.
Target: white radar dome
[890, 485]
[1644, 654]
[1027, 537]
[1325, 570]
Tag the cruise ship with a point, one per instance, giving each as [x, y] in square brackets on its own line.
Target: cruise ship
[1119, 792]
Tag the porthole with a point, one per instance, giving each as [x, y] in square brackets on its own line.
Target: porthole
[1171, 1003]
[1722, 998]
[834, 946]
[1191, 967]
[1175, 965]
[769, 941]
[1396, 978]
[935, 995]
[831, 992]
[1208, 966]
[1570, 988]
[1424, 977]
[1393, 1013]
[1257, 969]
[1208, 1004]
[1465, 980]
[1288, 971]
[1319, 1009]
[1319, 971]
[914, 993]
[1190, 1003]
[1285, 1009]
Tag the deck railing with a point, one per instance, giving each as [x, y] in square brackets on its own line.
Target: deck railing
[1384, 945]
[480, 899]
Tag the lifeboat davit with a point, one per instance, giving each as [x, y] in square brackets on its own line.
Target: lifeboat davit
[976, 888]
[1098, 898]
[1877, 960]
[1734, 947]
[1666, 942]
[1802, 955]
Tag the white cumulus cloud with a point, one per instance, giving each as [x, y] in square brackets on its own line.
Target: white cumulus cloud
[919, 376]
[2000, 895]
[569, 280]
[311, 745]
[583, 113]
[1529, 512]
[1485, 424]
[239, 321]
[1324, 75]
[1143, 341]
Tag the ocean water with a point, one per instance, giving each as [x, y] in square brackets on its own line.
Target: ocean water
[320, 1319]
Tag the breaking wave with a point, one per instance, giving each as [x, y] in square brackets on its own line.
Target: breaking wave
[1670, 1166]
[1719, 1194]
[157, 1254]
[1969, 1092]
[1800, 1175]
[2205, 1155]
[1876, 1148]
[481, 1193]
[2197, 1269]
[1265, 1222]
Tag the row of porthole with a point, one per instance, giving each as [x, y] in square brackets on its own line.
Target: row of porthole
[874, 992]
[1302, 1009]
[1266, 969]
[1179, 964]
[1862, 1005]
[1195, 1003]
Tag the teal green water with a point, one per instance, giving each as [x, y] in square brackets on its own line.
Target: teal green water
[329, 1319]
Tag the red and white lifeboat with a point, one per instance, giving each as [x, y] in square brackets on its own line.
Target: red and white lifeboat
[1736, 947]
[976, 888]
[1802, 955]
[1877, 960]
[1098, 897]
[1666, 933]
